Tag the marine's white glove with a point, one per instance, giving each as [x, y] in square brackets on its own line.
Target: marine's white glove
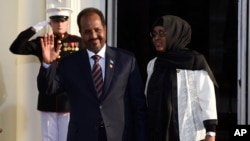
[40, 25]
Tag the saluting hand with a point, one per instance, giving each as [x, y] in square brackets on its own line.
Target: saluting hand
[50, 53]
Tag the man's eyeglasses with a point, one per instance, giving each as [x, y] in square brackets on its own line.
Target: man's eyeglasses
[160, 34]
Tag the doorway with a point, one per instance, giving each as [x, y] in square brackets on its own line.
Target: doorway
[214, 34]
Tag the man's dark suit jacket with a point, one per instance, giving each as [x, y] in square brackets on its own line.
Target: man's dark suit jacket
[122, 106]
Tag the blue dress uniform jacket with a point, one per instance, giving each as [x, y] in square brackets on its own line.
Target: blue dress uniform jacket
[22, 45]
[122, 105]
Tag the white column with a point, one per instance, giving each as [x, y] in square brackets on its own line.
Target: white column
[28, 127]
[243, 47]
[248, 65]
[112, 22]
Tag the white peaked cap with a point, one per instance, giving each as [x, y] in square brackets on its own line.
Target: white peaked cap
[59, 11]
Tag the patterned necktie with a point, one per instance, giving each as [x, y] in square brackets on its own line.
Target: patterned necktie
[97, 75]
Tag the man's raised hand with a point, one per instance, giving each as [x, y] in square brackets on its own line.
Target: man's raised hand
[49, 51]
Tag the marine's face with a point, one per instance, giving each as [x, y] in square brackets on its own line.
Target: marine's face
[93, 32]
[159, 38]
[59, 27]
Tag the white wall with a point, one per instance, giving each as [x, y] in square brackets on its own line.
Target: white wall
[7, 85]
[19, 118]
[18, 92]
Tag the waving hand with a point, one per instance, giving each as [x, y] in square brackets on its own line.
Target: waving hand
[49, 51]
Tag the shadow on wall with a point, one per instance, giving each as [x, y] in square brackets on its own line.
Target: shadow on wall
[2, 88]
[8, 123]
[15, 119]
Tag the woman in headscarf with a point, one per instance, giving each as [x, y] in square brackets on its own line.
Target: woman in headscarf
[180, 86]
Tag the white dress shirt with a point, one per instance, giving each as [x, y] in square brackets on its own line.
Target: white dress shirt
[101, 53]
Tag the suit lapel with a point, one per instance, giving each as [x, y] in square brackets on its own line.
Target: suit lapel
[109, 66]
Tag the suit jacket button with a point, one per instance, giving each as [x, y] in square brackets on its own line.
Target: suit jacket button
[100, 106]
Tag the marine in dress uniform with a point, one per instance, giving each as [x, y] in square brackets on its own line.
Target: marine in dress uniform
[54, 108]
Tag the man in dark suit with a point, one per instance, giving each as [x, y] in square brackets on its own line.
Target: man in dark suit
[115, 109]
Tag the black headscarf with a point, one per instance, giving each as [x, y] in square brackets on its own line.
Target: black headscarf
[178, 34]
